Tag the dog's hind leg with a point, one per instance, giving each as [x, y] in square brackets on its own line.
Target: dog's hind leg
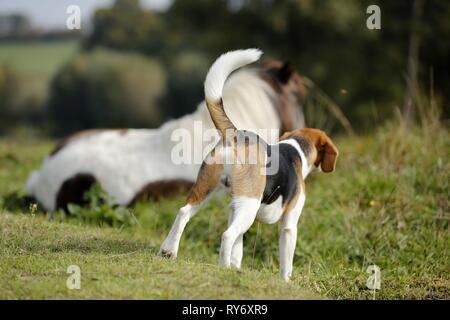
[247, 190]
[237, 250]
[244, 214]
[169, 247]
[207, 181]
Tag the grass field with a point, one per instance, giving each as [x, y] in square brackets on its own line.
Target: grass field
[387, 204]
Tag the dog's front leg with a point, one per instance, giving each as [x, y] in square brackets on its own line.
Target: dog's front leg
[288, 238]
[169, 248]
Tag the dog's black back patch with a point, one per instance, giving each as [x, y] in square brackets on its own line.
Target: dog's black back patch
[284, 181]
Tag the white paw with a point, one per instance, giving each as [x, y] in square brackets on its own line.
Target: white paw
[286, 277]
[167, 252]
[224, 263]
[236, 266]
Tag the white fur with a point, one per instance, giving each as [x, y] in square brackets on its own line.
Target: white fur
[237, 252]
[124, 163]
[288, 238]
[306, 167]
[170, 245]
[244, 214]
[223, 67]
[238, 247]
[271, 213]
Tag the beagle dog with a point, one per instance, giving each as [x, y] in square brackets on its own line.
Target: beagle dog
[266, 181]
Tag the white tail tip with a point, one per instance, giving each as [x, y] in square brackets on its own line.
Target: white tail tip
[224, 66]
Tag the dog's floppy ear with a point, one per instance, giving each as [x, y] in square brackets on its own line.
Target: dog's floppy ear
[329, 155]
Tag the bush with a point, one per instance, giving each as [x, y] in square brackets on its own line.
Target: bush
[187, 72]
[106, 89]
[98, 210]
[9, 93]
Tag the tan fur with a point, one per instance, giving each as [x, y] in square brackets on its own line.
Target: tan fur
[207, 180]
[289, 206]
[219, 117]
[249, 179]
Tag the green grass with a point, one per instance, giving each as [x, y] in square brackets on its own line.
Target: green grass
[35, 255]
[387, 204]
[37, 62]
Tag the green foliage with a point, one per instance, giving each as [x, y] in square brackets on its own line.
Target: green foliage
[106, 89]
[26, 70]
[99, 210]
[17, 105]
[362, 70]
[125, 26]
[14, 25]
[187, 72]
[9, 89]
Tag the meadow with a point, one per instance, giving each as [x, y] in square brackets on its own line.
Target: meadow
[387, 204]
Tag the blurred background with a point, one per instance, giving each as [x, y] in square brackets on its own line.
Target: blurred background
[139, 63]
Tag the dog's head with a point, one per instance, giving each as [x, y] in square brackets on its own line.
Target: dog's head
[322, 152]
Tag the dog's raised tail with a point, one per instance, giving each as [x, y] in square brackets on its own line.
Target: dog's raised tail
[215, 80]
